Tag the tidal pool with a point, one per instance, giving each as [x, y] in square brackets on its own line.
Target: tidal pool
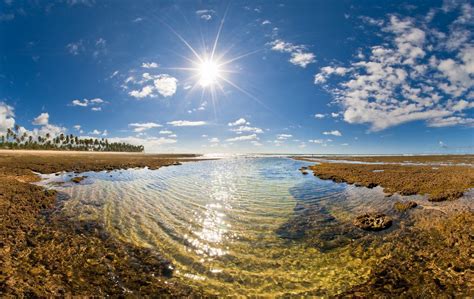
[238, 225]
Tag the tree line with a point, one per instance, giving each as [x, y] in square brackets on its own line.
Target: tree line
[14, 139]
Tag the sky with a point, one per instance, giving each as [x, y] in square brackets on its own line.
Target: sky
[320, 77]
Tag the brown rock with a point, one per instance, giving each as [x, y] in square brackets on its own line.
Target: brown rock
[78, 179]
[373, 222]
[404, 206]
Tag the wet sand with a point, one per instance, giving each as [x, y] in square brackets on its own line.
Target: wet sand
[43, 254]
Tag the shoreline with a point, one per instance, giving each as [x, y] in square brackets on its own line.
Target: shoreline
[444, 182]
[44, 254]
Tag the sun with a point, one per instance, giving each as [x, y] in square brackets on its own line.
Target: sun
[208, 73]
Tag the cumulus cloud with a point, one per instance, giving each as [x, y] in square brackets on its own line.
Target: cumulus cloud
[284, 136]
[298, 53]
[186, 123]
[334, 133]
[7, 120]
[165, 132]
[243, 138]
[319, 115]
[144, 92]
[41, 119]
[95, 103]
[166, 85]
[239, 122]
[150, 65]
[98, 132]
[140, 127]
[404, 79]
[245, 129]
[327, 71]
[150, 85]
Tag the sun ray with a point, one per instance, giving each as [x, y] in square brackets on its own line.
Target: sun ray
[185, 42]
[239, 57]
[218, 33]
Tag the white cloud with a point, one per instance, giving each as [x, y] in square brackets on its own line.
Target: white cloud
[302, 59]
[256, 143]
[75, 48]
[95, 103]
[205, 14]
[140, 127]
[239, 122]
[327, 71]
[402, 80]
[80, 103]
[266, 22]
[186, 123]
[144, 92]
[151, 85]
[284, 136]
[243, 138]
[214, 140]
[299, 55]
[95, 132]
[450, 121]
[165, 132]
[319, 115]
[334, 133]
[334, 114]
[7, 120]
[150, 65]
[41, 119]
[244, 129]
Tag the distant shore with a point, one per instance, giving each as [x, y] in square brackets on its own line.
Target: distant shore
[439, 177]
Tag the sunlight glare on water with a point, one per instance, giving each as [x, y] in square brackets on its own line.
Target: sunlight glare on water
[226, 224]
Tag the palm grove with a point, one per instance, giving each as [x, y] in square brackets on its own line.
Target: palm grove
[14, 139]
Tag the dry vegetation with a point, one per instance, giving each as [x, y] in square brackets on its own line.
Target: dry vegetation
[440, 183]
[451, 159]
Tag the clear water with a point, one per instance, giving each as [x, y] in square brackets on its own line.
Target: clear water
[220, 221]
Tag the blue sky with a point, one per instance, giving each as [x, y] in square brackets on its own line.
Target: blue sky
[285, 76]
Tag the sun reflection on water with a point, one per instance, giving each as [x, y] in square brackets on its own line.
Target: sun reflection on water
[208, 240]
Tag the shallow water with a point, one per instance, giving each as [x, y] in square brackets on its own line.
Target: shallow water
[223, 223]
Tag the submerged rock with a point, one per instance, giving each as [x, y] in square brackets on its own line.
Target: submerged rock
[78, 179]
[404, 206]
[373, 222]
[304, 172]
